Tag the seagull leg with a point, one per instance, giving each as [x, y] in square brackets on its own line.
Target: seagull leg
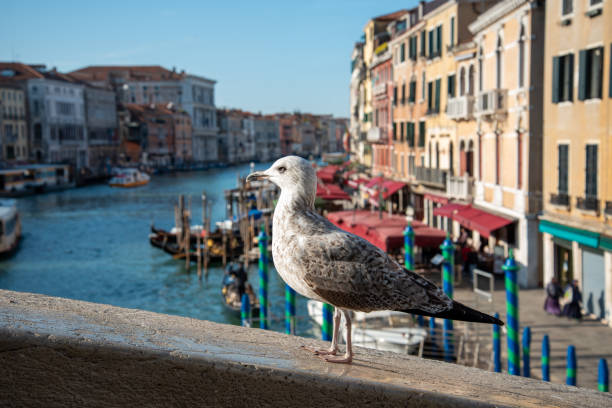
[334, 344]
[348, 355]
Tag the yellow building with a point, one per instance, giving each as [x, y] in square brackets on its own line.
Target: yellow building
[13, 126]
[577, 193]
[509, 41]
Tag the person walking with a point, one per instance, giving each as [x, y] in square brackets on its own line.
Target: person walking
[572, 300]
[553, 293]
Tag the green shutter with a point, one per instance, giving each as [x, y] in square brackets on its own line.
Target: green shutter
[437, 95]
[570, 68]
[431, 43]
[555, 79]
[610, 75]
[582, 75]
[452, 32]
[439, 40]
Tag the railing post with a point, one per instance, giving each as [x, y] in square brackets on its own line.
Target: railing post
[447, 285]
[263, 280]
[571, 366]
[409, 247]
[289, 310]
[496, 347]
[327, 326]
[603, 381]
[512, 315]
[526, 351]
[545, 358]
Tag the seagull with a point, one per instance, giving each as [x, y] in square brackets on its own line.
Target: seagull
[323, 262]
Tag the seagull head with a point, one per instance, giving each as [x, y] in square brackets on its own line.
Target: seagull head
[293, 175]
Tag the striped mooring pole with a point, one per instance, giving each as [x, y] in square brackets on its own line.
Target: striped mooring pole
[409, 247]
[512, 315]
[432, 333]
[526, 351]
[570, 377]
[545, 358]
[263, 280]
[245, 310]
[420, 320]
[328, 325]
[603, 381]
[447, 285]
[496, 347]
[289, 310]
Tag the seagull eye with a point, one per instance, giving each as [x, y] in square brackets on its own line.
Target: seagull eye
[281, 169]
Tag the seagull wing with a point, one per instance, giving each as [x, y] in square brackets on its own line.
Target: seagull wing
[349, 272]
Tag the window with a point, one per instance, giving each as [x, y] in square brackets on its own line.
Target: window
[412, 93]
[435, 42]
[480, 70]
[423, 86]
[470, 87]
[452, 31]
[521, 59]
[413, 48]
[589, 78]
[595, 2]
[430, 99]
[410, 133]
[563, 78]
[422, 134]
[402, 52]
[401, 131]
[423, 35]
[395, 95]
[562, 174]
[498, 64]
[437, 98]
[403, 94]
[394, 131]
[591, 171]
[451, 86]
[462, 81]
[610, 74]
[64, 108]
[567, 7]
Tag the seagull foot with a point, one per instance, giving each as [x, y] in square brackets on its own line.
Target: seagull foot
[346, 359]
[320, 352]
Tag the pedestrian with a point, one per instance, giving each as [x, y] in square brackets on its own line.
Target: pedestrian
[553, 293]
[572, 299]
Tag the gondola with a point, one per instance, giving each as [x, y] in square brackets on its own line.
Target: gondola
[234, 285]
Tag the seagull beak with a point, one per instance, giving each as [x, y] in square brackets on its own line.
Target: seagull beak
[257, 175]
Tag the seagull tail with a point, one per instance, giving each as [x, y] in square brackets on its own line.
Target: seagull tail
[461, 312]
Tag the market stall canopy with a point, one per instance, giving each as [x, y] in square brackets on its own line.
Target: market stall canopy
[355, 183]
[327, 173]
[331, 192]
[386, 233]
[473, 218]
[389, 187]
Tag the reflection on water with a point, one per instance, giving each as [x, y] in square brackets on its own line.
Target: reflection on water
[92, 244]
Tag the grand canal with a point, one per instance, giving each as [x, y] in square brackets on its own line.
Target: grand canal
[92, 244]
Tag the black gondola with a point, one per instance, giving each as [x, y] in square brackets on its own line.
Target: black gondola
[235, 284]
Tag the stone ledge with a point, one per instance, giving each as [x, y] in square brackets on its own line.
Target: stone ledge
[61, 352]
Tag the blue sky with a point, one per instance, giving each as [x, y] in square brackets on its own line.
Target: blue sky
[267, 56]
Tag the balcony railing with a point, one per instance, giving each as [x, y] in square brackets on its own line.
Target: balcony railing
[460, 187]
[561, 199]
[491, 102]
[431, 176]
[587, 203]
[461, 107]
[380, 89]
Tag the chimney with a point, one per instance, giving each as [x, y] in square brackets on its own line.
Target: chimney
[421, 9]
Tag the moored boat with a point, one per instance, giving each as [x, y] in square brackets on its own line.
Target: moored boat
[129, 178]
[10, 227]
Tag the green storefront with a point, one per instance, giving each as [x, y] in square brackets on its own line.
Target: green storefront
[592, 247]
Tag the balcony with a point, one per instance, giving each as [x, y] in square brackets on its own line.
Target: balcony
[436, 177]
[491, 102]
[587, 203]
[460, 187]
[460, 108]
[380, 90]
[560, 199]
[375, 135]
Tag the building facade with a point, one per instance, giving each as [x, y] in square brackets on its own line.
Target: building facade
[576, 223]
[13, 124]
[380, 133]
[102, 135]
[267, 140]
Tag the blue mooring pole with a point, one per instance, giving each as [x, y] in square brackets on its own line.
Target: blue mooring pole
[245, 310]
[512, 315]
[571, 366]
[447, 285]
[263, 280]
[409, 247]
[289, 310]
[545, 358]
[526, 351]
[603, 381]
[328, 326]
[496, 347]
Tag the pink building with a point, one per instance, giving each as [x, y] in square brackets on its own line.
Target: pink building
[381, 133]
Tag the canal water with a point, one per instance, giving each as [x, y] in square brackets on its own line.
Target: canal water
[92, 244]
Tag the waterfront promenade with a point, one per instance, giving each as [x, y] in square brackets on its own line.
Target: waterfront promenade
[592, 339]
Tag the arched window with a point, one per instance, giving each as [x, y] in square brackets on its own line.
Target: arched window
[471, 79]
[437, 155]
[450, 158]
[480, 68]
[430, 150]
[462, 81]
[521, 59]
[498, 63]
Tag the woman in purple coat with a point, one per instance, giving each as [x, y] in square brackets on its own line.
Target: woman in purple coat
[553, 293]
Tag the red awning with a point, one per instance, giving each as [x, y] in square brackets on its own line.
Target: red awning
[356, 182]
[389, 187]
[331, 192]
[328, 173]
[449, 209]
[386, 233]
[436, 198]
[483, 222]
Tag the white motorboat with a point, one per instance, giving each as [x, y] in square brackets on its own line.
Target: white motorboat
[10, 226]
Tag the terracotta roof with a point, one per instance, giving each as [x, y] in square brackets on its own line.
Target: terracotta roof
[391, 16]
[131, 72]
[16, 71]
